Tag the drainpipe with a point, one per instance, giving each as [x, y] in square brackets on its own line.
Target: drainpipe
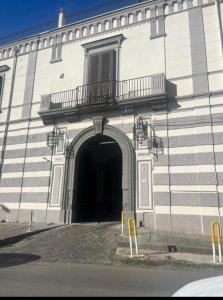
[218, 10]
[16, 51]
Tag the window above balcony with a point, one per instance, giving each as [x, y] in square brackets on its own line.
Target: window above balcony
[102, 60]
[102, 67]
[111, 42]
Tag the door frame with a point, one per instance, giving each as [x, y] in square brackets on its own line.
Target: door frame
[128, 169]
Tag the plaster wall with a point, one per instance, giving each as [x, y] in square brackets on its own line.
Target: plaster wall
[178, 52]
[212, 39]
[20, 82]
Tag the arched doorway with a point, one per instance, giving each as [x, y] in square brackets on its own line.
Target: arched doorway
[98, 180]
[76, 159]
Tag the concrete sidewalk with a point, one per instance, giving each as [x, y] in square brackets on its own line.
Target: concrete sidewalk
[167, 246]
[103, 243]
[165, 256]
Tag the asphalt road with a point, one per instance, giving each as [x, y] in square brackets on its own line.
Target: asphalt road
[59, 279]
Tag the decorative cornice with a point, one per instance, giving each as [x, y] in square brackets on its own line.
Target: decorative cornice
[107, 41]
[121, 18]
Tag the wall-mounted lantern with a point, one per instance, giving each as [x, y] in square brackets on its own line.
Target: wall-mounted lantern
[140, 130]
[145, 138]
[54, 137]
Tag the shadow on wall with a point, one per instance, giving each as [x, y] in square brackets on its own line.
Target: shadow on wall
[157, 143]
[5, 208]
[156, 147]
[171, 89]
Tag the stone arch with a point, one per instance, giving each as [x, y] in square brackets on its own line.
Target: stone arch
[128, 169]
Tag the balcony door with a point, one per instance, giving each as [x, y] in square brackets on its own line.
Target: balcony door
[101, 77]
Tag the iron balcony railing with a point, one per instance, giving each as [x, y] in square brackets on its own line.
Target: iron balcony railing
[109, 92]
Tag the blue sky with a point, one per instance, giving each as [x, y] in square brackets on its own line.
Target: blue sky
[17, 15]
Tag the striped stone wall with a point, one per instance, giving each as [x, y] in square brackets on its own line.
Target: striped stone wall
[26, 180]
[187, 177]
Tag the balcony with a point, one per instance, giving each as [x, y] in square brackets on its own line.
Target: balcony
[104, 96]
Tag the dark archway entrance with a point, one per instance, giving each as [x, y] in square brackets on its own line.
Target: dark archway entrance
[98, 179]
[73, 164]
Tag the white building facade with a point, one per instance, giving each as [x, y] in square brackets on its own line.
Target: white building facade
[135, 99]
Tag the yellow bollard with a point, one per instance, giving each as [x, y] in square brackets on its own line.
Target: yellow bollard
[132, 231]
[216, 240]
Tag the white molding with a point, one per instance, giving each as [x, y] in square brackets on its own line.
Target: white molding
[188, 131]
[191, 149]
[150, 206]
[20, 160]
[30, 206]
[33, 174]
[51, 204]
[187, 210]
[186, 188]
[9, 190]
[188, 169]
